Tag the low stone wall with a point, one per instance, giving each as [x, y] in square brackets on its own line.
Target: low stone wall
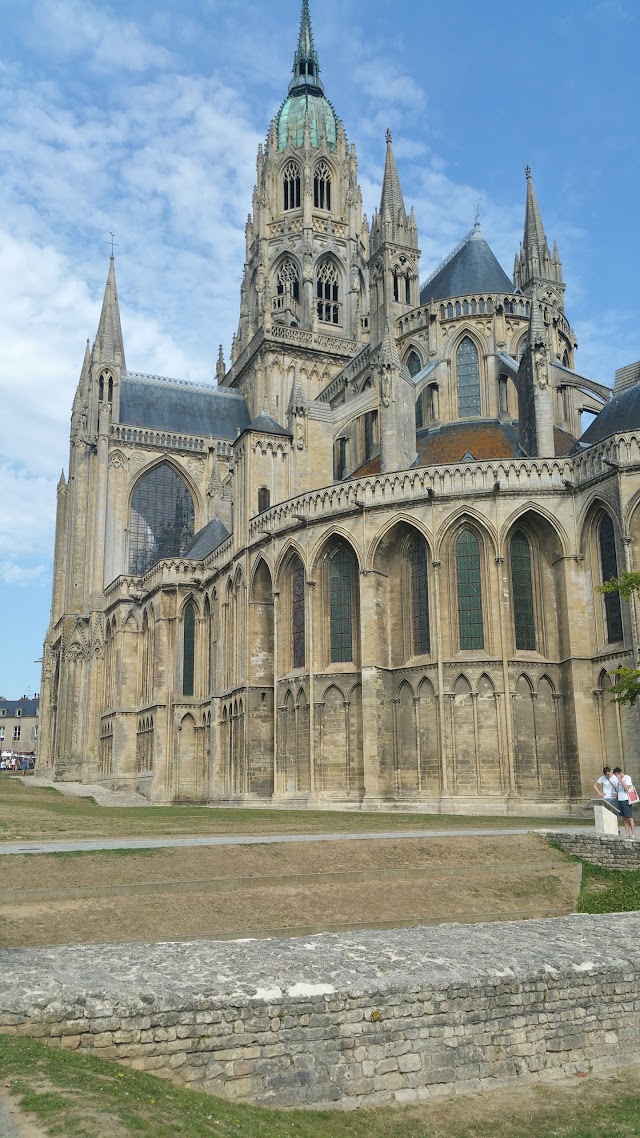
[610, 853]
[350, 1020]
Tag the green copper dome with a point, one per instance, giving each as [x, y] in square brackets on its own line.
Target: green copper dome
[306, 107]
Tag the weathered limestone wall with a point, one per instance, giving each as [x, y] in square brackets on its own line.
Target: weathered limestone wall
[610, 853]
[345, 1020]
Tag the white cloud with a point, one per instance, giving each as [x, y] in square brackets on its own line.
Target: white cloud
[77, 28]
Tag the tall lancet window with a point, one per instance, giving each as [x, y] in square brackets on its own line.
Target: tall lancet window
[287, 285]
[468, 375]
[341, 585]
[161, 519]
[609, 565]
[419, 597]
[322, 186]
[328, 293]
[188, 648]
[522, 591]
[297, 613]
[291, 185]
[469, 591]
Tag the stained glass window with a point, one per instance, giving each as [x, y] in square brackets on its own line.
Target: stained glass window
[188, 648]
[609, 564]
[522, 591]
[469, 591]
[297, 613]
[419, 597]
[341, 605]
[162, 518]
[468, 372]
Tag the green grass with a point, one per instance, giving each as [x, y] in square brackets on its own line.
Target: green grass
[80, 1096]
[29, 813]
[608, 890]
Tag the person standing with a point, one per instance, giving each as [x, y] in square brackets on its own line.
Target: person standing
[624, 784]
[606, 788]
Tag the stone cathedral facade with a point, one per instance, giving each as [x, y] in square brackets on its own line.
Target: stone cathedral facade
[361, 570]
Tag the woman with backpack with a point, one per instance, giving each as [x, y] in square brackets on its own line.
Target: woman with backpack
[627, 795]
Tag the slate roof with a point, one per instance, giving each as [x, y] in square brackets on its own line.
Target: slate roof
[472, 268]
[268, 426]
[27, 707]
[206, 540]
[622, 413]
[175, 405]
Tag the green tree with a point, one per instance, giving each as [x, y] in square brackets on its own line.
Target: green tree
[626, 689]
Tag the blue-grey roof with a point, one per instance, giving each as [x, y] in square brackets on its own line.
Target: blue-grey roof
[622, 413]
[267, 426]
[28, 706]
[175, 405]
[472, 268]
[206, 540]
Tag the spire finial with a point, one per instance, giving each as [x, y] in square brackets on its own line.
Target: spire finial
[389, 137]
[306, 72]
[527, 171]
[112, 242]
[477, 213]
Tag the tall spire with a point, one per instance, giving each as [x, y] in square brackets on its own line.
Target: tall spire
[306, 70]
[535, 262]
[109, 345]
[534, 234]
[391, 199]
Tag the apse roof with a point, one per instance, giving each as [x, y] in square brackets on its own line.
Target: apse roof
[176, 405]
[456, 441]
[471, 268]
[622, 413]
[206, 540]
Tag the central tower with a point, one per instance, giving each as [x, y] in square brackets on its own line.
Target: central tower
[304, 299]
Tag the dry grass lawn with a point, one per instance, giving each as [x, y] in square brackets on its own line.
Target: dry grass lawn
[29, 813]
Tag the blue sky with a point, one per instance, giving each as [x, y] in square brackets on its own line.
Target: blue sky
[144, 118]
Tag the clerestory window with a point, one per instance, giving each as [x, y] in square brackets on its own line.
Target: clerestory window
[419, 597]
[341, 583]
[188, 648]
[609, 566]
[470, 623]
[297, 613]
[468, 376]
[522, 592]
[161, 519]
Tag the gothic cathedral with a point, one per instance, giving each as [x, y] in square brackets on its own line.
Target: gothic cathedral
[360, 571]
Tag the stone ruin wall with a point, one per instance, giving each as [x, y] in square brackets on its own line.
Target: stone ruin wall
[349, 1020]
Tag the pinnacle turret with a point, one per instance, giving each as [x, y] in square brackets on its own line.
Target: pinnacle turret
[109, 345]
[535, 262]
[391, 222]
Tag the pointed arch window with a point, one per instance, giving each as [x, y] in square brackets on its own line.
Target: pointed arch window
[419, 597]
[470, 623]
[287, 283]
[322, 186]
[609, 566]
[341, 583]
[328, 293]
[414, 363]
[291, 185]
[161, 518]
[522, 592]
[468, 376]
[297, 613]
[188, 648]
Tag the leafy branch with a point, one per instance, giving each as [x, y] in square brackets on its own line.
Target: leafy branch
[626, 689]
